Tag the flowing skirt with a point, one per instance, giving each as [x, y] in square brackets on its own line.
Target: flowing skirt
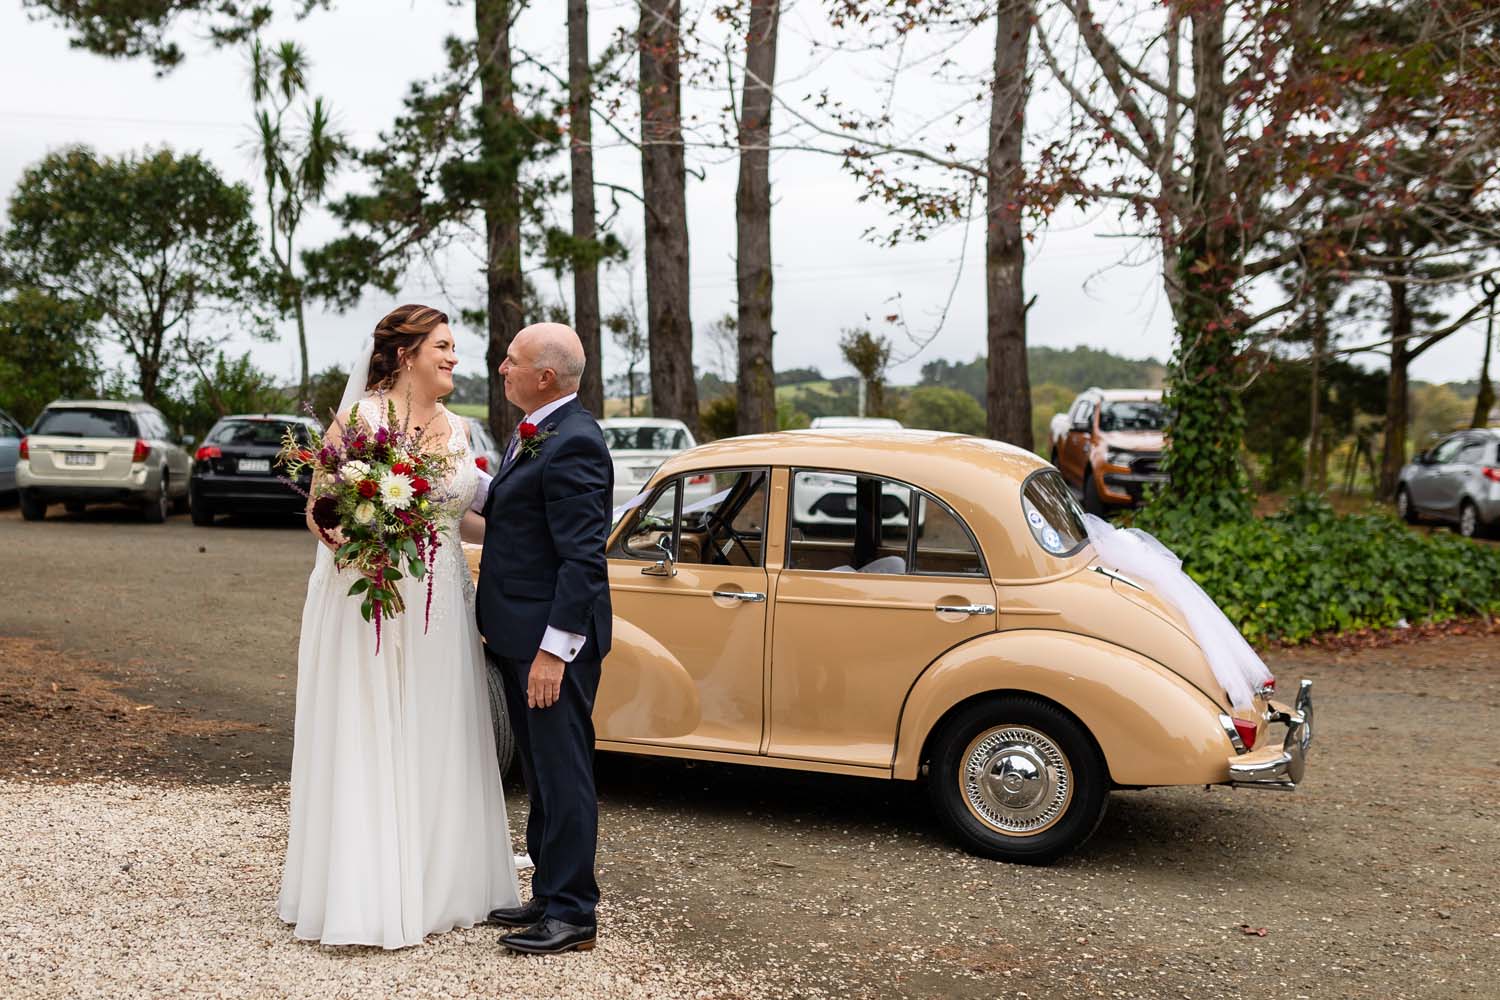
[398, 823]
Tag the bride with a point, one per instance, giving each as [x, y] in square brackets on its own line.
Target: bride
[398, 824]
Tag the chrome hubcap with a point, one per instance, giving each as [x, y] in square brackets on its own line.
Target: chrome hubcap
[1403, 503]
[1016, 780]
[1467, 521]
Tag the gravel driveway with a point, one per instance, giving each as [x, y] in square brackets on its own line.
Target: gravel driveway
[146, 680]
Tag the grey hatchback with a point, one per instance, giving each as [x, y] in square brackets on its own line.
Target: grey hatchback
[1456, 480]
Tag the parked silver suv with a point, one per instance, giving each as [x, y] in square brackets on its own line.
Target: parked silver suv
[101, 451]
[1456, 480]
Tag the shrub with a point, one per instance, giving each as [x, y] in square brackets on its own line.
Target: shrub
[1306, 570]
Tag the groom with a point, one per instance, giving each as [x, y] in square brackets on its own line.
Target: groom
[543, 609]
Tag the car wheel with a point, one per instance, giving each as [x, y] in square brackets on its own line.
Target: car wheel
[505, 737]
[1468, 519]
[33, 508]
[1404, 508]
[158, 507]
[75, 507]
[201, 513]
[1018, 779]
[1091, 502]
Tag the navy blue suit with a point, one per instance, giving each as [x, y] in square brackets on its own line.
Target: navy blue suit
[546, 523]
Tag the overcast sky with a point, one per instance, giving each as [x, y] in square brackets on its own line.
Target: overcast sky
[827, 277]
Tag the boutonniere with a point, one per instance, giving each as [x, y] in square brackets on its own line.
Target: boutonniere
[532, 438]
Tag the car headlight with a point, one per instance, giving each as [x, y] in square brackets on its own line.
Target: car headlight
[1117, 456]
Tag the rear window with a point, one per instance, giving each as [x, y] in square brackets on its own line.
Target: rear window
[255, 432]
[645, 438]
[86, 423]
[1054, 517]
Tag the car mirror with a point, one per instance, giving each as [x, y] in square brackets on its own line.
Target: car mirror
[665, 566]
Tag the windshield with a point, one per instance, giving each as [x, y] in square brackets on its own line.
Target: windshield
[645, 438]
[86, 423]
[1136, 415]
[267, 432]
[1054, 517]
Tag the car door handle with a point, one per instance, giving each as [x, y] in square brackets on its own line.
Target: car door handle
[740, 595]
[965, 609]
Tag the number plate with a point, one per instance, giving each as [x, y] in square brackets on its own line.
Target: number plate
[78, 458]
[255, 465]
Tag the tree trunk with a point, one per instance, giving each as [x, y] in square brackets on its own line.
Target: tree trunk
[1485, 401]
[1397, 407]
[585, 272]
[304, 388]
[504, 285]
[756, 379]
[1314, 470]
[1007, 383]
[669, 324]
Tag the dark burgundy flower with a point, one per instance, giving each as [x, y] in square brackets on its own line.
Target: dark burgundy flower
[325, 512]
[382, 436]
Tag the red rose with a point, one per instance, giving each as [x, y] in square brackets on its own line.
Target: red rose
[527, 431]
[401, 468]
[420, 486]
[367, 488]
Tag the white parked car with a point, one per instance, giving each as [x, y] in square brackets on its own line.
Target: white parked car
[638, 445]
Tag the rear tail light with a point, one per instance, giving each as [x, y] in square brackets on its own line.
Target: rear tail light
[25, 449]
[205, 453]
[483, 461]
[702, 480]
[1490, 472]
[142, 449]
[1247, 732]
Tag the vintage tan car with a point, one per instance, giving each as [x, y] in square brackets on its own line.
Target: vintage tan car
[985, 652]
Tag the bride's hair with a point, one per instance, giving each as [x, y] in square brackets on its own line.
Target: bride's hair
[403, 329]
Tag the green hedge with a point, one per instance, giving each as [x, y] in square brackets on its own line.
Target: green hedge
[1307, 570]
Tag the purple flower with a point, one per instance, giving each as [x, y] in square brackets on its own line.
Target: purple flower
[381, 437]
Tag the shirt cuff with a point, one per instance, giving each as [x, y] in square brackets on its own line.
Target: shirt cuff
[563, 645]
[481, 490]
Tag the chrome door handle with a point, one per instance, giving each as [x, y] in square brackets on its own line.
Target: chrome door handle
[965, 609]
[740, 595]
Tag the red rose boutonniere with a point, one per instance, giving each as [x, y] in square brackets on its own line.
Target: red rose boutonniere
[532, 438]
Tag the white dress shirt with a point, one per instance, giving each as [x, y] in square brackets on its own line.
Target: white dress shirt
[563, 645]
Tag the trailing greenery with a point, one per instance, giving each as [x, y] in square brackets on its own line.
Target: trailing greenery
[1307, 570]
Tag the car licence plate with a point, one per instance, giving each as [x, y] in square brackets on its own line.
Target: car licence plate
[78, 458]
[255, 465]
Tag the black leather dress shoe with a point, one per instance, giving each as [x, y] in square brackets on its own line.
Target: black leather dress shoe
[551, 936]
[519, 916]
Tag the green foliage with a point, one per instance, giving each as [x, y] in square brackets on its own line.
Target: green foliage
[1047, 400]
[1307, 570]
[1436, 410]
[937, 408]
[231, 385]
[46, 352]
[792, 376]
[1074, 368]
[718, 418]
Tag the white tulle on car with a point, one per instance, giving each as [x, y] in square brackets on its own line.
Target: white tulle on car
[398, 821]
[1141, 557]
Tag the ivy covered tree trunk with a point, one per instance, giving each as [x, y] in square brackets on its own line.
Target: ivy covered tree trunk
[1007, 382]
[585, 271]
[1485, 401]
[669, 324]
[1397, 396]
[504, 284]
[1208, 426]
[756, 379]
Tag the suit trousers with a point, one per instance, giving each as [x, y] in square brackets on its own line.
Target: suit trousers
[557, 761]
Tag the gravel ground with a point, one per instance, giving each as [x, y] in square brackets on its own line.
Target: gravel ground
[1378, 878]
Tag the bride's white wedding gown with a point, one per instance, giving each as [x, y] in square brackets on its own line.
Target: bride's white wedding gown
[398, 824]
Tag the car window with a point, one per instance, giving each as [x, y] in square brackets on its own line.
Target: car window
[650, 524]
[255, 432]
[1085, 412]
[1133, 415]
[1445, 451]
[944, 545]
[86, 423]
[8, 428]
[846, 523]
[723, 518]
[1054, 517]
[645, 438]
[1472, 453]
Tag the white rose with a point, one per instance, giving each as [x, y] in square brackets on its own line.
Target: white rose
[365, 512]
[395, 490]
[354, 471]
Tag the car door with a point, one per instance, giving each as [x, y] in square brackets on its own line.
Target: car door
[1465, 476]
[10, 452]
[860, 610]
[703, 610]
[1075, 455]
[1429, 490]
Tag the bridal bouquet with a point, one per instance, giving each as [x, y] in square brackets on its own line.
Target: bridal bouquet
[373, 499]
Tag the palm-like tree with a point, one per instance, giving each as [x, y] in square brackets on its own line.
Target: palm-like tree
[298, 162]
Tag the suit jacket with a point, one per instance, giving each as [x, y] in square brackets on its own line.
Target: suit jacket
[546, 523]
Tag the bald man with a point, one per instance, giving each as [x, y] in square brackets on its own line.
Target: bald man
[543, 609]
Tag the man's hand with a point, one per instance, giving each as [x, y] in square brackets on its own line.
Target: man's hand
[544, 683]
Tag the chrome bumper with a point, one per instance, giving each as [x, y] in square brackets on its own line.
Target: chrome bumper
[1281, 767]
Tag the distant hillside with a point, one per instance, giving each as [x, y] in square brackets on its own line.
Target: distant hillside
[1074, 369]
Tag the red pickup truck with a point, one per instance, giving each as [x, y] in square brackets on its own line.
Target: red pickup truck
[1108, 446]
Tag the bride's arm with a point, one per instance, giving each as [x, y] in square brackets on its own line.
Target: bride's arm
[471, 528]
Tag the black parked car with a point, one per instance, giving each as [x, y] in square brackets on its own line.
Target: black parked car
[235, 470]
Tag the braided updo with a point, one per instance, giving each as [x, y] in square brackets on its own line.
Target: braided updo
[403, 329]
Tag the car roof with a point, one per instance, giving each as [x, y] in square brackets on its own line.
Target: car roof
[283, 417]
[641, 422]
[1122, 395]
[130, 406]
[851, 422]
